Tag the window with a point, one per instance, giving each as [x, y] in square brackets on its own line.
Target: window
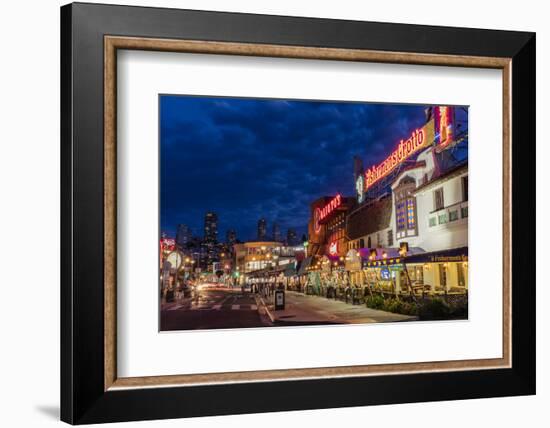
[465, 188]
[416, 274]
[442, 218]
[460, 272]
[362, 243]
[453, 215]
[443, 275]
[411, 220]
[438, 199]
[390, 238]
[369, 244]
[405, 207]
[433, 221]
[464, 212]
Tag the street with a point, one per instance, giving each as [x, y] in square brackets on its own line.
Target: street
[216, 308]
[212, 309]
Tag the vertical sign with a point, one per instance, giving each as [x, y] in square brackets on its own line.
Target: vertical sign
[444, 126]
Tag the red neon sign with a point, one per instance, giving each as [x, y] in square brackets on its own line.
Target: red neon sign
[167, 244]
[443, 121]
[322, 213]
[405, 149]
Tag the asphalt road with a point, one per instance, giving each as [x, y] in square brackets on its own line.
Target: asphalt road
[212, 309]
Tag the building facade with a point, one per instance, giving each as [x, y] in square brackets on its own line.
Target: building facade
[327, 226]
[183, 235]
[210, 241]
[291, 237]
[413, 232]
[277, 237]
[262, 230]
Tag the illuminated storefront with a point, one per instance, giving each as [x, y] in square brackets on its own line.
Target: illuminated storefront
[326, 228]
[406, 230]
[439, 272]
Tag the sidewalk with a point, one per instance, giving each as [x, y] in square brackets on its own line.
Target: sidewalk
[301, 309]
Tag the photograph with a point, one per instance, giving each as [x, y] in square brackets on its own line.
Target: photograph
[287, 212]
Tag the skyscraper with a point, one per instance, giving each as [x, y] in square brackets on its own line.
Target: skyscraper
[208, 247]
[231, 236]
[183, 235]
[262, 229]
[211, 227]
[276, 232]
[291, 237]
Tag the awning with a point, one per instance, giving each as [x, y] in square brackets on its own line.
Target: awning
[452, 255]
[306, 263]
[267, 272]
[290, 270]
[386, 256]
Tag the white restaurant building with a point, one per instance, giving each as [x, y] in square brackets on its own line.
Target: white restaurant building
[429, 213]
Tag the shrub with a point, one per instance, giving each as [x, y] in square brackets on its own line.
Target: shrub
[435, 309]
[375, 302]
[409, 309]
[393, 305]
[460, 310]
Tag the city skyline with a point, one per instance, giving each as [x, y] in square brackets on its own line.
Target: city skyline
[266, 158]
[184, 234]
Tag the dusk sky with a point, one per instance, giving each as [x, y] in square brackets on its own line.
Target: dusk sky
[250, 158]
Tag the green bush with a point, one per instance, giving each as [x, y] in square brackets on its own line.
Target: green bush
[375, 302]
[409, 309]
[435, 309]
[393, 305]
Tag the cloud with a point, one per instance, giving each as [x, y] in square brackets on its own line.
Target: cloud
[251, 158]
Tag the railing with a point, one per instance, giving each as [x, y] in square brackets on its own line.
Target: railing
[449, 214]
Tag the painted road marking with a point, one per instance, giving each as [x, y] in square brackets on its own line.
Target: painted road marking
[253, 307]
[217, 307]
[235, 307]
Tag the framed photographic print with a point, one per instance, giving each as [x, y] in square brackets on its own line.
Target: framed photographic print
[291, 213]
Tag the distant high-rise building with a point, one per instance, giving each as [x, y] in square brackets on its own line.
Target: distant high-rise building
[291, 237]
[211, 227]
[276, 232]
[209, 247]
[183, 235]
[262, 229]
[231, 236]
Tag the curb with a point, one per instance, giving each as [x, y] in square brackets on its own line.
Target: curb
[268, 312]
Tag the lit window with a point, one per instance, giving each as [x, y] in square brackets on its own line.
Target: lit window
[405, 206]
[443, 275]
[411, 223]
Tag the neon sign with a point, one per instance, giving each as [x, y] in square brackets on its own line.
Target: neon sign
[167, 244]
[333, 248]
[359, 187]
[443, 118]
[405, 149]
[322, 213]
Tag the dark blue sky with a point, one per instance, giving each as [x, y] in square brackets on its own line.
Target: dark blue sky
[252, 158]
